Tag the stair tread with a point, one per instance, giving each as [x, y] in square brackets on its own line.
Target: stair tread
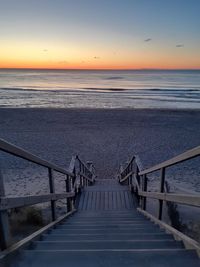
[99, 258]
[106, 244]
[107, 231]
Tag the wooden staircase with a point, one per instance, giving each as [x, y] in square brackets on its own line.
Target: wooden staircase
[107, 230]
[105, 222]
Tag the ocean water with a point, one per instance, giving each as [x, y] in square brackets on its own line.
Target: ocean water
[177, 89]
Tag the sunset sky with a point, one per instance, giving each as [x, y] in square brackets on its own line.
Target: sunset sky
[100, 34]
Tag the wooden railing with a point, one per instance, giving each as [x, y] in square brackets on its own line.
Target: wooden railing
[138, 182]
[77, 176]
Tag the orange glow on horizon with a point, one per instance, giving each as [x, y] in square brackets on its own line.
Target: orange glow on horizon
[46, 65]
[61, 55]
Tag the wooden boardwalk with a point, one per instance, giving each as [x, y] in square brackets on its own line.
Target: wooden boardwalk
[107, 230]
[106, 195]
[105, 227]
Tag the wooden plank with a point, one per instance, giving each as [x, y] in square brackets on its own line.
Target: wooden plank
[190, 200]
[189, 243]
[192, 153]
[89, 204]
[17, 202]
[86, 177]
[127, 200]
[114, 200]
[162, 184]
[119, 204]
[110, 201]
[98, 200]
[102, 203]
[144, 185]
[126, 177]
[33, 237]
[72, 164]
[81, 201]
[122, 199]
[130, 200]
[136, 182]
[52, 191]
[128, 164]
[5, 237]
[106, 201]
[93, 200]
[22, 153]
[83, 164]
[85, 200]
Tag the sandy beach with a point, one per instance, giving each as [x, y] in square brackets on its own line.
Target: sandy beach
[107, 137]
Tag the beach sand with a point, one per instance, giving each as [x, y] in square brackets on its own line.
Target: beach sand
[107, 137]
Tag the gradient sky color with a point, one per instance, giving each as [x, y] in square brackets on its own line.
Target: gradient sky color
[100, 34]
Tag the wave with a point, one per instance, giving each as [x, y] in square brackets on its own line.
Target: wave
[114, 78]
[103, 89]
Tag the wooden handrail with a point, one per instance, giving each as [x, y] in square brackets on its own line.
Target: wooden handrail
[22, 153]
[72, 164]
[186, 199]
[126, 177]
[73, 185]
[18, 202]
[128, 164]
[139, 181]
[85, 176]
[192, 153]
[83, 164]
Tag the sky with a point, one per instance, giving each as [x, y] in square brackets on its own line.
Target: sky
[100, 34]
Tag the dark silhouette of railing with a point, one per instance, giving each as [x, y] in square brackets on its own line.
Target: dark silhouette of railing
[77, 176]
[138, 182]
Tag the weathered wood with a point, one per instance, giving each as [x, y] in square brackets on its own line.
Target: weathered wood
[83, 164]
[162, 184]
[122, 170]
[185, 199]
[144, 185]
[21, 153]
[68, 189]
[52, 190]
[72, 164]
[18, 202]
[85, 177]
[4, 222]
[33, 237]
[136, 183]
[189, 243]
[178, 159]
[126, 177]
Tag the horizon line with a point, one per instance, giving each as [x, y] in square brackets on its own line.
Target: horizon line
[106, 69]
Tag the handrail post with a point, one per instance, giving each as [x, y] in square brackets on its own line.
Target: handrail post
[71, 189]
[67, 182]
[131, 177]
[4, 222]
[144, 187]
[137, 176]
[162, 183]
[52, 190]
[121, 171]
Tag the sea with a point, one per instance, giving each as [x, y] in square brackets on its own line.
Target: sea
[134, 89]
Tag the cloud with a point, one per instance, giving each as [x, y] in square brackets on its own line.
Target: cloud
[180, 45]
[148, 40]
[45, 50]
[96, 57]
